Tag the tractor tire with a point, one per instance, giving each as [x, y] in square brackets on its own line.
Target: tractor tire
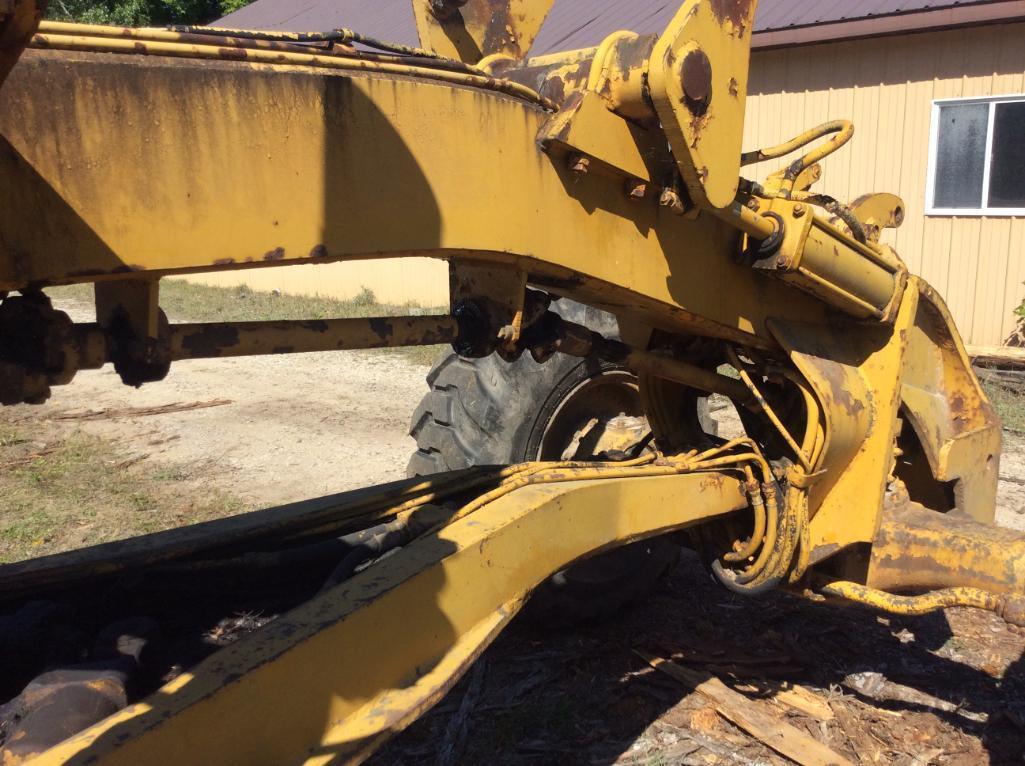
[490, 412]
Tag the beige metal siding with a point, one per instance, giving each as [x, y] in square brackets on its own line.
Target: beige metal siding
[887, 86]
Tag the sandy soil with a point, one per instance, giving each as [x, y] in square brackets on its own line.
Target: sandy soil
[1011, 492]
[296, 427]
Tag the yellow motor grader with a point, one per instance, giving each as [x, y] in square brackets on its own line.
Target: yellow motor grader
[610, 269]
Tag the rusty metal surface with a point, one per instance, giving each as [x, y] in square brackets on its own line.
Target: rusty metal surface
[59, 704]
[879, 211]
[706, 49]
[955, 424]
[226, 339]
[471, 30]
[921, 549]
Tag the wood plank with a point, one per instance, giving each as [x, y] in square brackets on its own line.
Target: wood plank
[997, 356]
[804, 701]
[748, 715]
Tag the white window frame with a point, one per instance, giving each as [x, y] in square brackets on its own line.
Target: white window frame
[934, 130]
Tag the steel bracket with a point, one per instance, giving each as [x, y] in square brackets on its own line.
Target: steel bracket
[698, 82]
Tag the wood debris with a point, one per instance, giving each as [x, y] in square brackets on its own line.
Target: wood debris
[805, 701]
[877, 687]
[136, 412]
[997, 356]
[752, 718]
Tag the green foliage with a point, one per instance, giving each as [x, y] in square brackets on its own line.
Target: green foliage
[230, 6]
[142, 12]
[1020, 311]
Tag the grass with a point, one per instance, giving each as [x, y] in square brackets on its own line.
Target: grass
[1010, 406]
[187, 302]
[61, 493]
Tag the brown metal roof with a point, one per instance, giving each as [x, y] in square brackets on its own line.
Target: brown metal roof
[386, 19]
[583, 23]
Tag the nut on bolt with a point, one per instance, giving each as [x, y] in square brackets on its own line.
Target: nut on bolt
[580, 164]
[636, 190]
[799, 210]
[671, 199]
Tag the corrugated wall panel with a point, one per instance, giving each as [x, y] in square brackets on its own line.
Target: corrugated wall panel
[1009, 77]
[1013, 289]
[994, 258]
[887, 87]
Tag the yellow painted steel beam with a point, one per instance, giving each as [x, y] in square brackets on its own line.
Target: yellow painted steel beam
[920, 549]
[470, 30]
[174, 165]
[698, 82]
[331, 680]
[866, 382]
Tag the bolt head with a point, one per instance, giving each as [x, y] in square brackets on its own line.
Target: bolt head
[799, 210]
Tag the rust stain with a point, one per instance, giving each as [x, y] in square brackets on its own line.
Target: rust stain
[698, 124]
[382, 328]
[277, 254]
[233, 54]
[211, 340]
[737, 12]
[316, 325]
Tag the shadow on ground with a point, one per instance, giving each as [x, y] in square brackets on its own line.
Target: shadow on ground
[584, 697]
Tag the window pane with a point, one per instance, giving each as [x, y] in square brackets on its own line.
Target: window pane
[1007, 172]
[961, 155]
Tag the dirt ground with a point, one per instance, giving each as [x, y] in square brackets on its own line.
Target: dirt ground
[292, 427]
[288, 428]
[948, 688]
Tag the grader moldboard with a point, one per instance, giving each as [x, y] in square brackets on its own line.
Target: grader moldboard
[609, 177]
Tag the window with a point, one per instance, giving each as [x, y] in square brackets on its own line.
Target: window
[977, 157]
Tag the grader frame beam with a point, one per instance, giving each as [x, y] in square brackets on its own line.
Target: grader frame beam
[609, 176]
[453, 591]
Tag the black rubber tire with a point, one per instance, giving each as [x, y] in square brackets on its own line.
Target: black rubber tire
[491, 412]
